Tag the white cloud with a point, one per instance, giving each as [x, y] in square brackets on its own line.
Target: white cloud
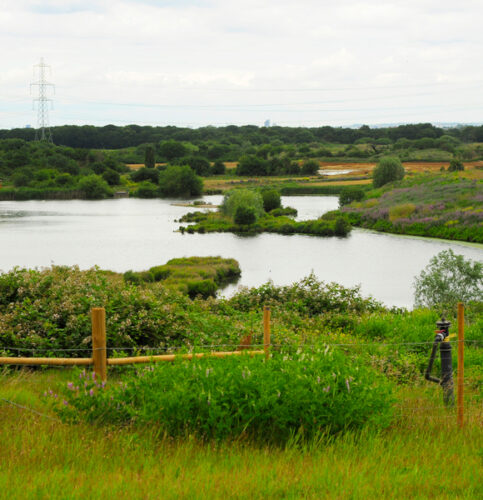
[220, 53]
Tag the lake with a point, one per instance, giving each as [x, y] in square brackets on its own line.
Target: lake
[137, 234]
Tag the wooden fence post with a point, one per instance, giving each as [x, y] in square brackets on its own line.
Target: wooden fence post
[99, 356]
[266, 331]
[461, 363]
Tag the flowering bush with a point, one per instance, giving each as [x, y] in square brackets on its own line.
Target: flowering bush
[318, 390]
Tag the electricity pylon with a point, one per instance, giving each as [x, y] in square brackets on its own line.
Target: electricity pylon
[43, 132]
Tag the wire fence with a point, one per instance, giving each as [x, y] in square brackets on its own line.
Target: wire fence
[100, 356]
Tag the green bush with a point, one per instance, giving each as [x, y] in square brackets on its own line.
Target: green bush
[455, 165]
[146, 189]
[301, 395]
[447, 280]
[94, 187]
[310, 167]
[244, 215]
[218, 168]
[180, 182]
[350, 194]
[388, 169]
[203, 288]
[247, 198]
[271, 199]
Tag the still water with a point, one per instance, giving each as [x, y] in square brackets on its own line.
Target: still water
[137, 234]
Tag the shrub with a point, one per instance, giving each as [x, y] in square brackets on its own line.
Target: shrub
[350, 194]
[271, 199]
[111, 177]
[180, 182]
[218, 168]
[244, 215]
[242, 197]
[389, 169]
[94, 187]
[447, 280]
[146, 189]
[303, 394]
[455, 165]
[342, 226]
[251, 165]
[310, 167]
[145, 174]
[399, 211]
[203, 288]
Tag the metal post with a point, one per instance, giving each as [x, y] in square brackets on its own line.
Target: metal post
[446, 363]
[266, 331]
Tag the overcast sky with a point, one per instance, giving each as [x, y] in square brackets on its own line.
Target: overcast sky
[194, 63]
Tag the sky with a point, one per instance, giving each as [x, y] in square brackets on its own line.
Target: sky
[195, 63]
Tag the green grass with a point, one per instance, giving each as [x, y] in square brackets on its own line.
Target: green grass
[423, 455]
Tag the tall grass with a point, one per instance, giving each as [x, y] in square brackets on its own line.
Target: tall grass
[415, 458]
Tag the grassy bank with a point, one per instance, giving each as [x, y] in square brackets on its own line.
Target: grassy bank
[445, 206]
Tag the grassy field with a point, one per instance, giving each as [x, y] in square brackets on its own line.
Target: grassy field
[359, 175]
[422, 455]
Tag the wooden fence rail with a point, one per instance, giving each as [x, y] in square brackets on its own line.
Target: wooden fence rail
[101, 361]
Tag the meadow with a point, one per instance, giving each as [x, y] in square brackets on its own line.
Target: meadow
[397, 452]
[447, 206]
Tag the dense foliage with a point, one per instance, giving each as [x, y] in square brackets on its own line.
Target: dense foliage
[447, 280]
[191, 275]
[43, 311]
[443, 206]
[388, 169]
[246, 198]
[301, 394]
[113, 137]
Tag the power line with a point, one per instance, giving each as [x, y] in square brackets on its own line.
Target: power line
[43, 100]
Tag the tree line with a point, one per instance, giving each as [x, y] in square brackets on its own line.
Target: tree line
[115, 137]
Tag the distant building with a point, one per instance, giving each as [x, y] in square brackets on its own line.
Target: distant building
[266, 123]
[28, 126]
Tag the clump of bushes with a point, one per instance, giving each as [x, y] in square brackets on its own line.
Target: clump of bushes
[302, 394]
[190, 275]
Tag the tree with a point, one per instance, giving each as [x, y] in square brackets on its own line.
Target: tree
[310, 167]
[218, 168]
[149, 161]
[145, 174]
[179, 182]
[94, 187]
[389, 169]
[455, 165]
[271, 199]
[111, 177]
[251, 165]
[172, 149]
[447, 280]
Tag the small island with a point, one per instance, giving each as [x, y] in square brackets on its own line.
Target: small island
[254, 211]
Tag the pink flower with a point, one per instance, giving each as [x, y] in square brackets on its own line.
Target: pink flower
[91, 392]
